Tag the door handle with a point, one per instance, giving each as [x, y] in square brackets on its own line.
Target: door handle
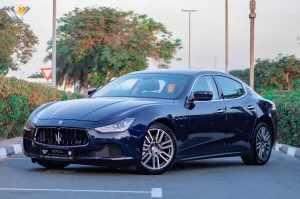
[250, 107]
[220, 111]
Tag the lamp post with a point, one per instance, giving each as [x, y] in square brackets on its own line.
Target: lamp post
[226, 37]
[189, 11]
[54, 46]
[216, 64]
[252, 17]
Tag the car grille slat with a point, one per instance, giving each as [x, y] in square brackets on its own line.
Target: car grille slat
[61, 136]
[108, 151]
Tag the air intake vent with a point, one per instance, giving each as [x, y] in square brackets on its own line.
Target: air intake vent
[109, 151]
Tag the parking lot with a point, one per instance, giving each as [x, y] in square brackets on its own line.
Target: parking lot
[215, 178]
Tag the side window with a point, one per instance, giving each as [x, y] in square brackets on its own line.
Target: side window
[231, 88]
[206, 83]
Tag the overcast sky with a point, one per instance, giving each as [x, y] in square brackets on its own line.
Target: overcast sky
[277, 28]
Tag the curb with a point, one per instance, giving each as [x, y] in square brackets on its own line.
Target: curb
[10, 150]
[289, 150]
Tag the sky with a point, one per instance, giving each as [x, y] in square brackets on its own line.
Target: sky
[276, 28]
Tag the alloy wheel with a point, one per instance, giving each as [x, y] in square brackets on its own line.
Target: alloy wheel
[158, 149]
[263, 143]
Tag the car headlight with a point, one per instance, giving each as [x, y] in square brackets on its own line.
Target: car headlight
[116, 127]
[29, 124]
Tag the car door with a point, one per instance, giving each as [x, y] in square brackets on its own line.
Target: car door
[241, 115]
[206, 131]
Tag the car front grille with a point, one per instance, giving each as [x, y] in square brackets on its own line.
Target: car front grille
[108, 151]
[61, 136]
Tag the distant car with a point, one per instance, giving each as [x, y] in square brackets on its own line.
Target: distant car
[153, 119]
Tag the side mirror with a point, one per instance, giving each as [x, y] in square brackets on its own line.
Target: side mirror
[202, 96]
[91, 91]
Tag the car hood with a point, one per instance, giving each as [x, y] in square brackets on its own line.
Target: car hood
[94, 109]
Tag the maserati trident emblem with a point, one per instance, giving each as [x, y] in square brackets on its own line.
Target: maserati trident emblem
[44, 151]
[58, 137]
[60, 122]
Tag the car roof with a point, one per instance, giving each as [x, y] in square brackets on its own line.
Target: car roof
[190, 72]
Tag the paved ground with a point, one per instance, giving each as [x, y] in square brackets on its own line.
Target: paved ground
[210, 179]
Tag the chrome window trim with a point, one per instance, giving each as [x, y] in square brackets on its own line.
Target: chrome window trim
[57, 146]
[234, 79]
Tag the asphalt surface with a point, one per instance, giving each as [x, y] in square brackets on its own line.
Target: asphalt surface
[206, 179]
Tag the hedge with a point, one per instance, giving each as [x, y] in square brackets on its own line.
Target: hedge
[18, 98]
[288, 109]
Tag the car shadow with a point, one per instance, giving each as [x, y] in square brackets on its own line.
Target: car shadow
[177, 168]
[83, 169]
[205, 165]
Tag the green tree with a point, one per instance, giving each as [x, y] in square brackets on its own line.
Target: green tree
[96, 44]
[17, 43]
[289, 65]
[281, 73]
[241, 74]
[267, 75]
[36, 75]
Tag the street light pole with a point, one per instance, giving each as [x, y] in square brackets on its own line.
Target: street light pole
[252, 17]
[189, 11]
[54, 45]
[216, 64]
[226, 37]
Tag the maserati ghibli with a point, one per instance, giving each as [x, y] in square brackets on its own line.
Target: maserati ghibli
[151, 120]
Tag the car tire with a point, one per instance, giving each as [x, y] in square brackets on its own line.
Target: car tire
[255, 157]
[52, 164]
[169, 135]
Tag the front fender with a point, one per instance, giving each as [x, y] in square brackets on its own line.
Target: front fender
[174, 115]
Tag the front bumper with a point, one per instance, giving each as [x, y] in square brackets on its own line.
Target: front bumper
[113, 149]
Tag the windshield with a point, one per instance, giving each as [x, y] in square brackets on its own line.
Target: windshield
[161, 86]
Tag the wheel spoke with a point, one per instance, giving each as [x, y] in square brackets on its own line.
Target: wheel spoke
[153, 162]
[166, 142]
[145, 155]
[157, 161]
[164, 153]
[149, 133]
[145, 148]
[168, 146]
[147, 139]
[258, 144]
[259, 138]
[267, 136]
[260, 153]
[160, 155]
[159, 136]
[267, 147]
[264, 155]
[263, 130]
[149, 157]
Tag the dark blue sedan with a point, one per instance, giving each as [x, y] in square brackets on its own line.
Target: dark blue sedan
[153, 119]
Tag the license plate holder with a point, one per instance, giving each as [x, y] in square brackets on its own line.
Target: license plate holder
[56, 153]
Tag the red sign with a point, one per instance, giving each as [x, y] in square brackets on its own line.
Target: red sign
[47, 72]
